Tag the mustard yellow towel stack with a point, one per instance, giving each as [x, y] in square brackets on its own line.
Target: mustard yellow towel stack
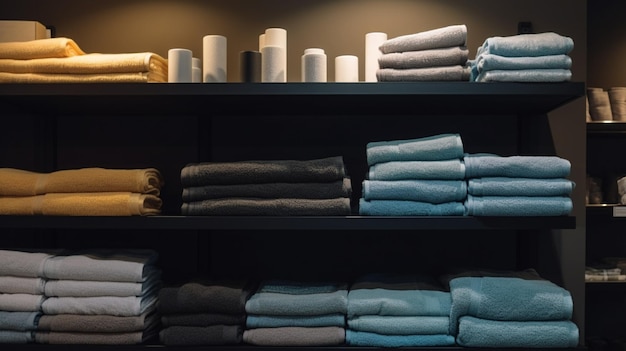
[81, 192]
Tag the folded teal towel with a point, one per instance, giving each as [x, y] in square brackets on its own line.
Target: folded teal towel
[300, 287]
[431, 148]
[475, 332]
[534, 75]
[433, 191]
[491, 62]
[443, 37]
[409, 208]
[407, 170]
[388, 302]
[505, 186]
[491, 165]
[266, 321]
[278, 304]
[19, 321]
[508, 298]
[518, 205]
[400, 325]
[360, 338]
[537, 44]
[16, 337]
[449, 56]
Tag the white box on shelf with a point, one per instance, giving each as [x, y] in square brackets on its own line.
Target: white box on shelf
[22, 31]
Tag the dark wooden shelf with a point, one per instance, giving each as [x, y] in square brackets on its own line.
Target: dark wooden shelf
[264, 348]
[606, 127]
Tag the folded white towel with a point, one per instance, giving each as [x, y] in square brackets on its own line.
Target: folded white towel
[22, 263]
[21, 285]
[21, 302]
[107, 305]
[89, 288]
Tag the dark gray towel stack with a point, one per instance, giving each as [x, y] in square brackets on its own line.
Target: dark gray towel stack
[318, 187]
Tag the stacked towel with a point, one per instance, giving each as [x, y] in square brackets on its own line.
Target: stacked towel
[81, 192]
[291, 313]
[269, 188]
[60, 60]
[541, 57]
[512, 312]
[435, 55]
[203, 313]
[415, 177]
[386, 310]
[517, 185]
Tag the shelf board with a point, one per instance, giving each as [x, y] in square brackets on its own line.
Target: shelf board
[606, 127]
[608, 286]
[409, 98]
[266, 348]
[289, 222]
[607, 210]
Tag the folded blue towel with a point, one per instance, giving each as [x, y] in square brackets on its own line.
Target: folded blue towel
[518, 205]
[537, 44]
[505, 186]
[475, 332]
[266, 321]
[491, 62]
[534, 75]
[388, 302]
[360, 338]
[508, 298]
[400, 325]
[491, 165]
[277, 304]
[16, 337]
[300, 287]
[433, 191]
[443, 37]
[407, 170]
[409, 208]
[19, 321]
[431, 148]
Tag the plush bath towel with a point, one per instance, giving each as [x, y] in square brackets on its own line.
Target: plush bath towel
[507, 186]
[82, 204]
[453, 35]
[476, 332]
[42, 48]
[136, 77]
[268, 321]
[295, 336]
[523, 45]
[280, 304]
[388, 302]
[203, 297]
[21, 302]
[268, 207]
[77, 338]
[491, 165]
[211, 335]
[107, 305]
[518, 205]
[455, 73]
[21, 285]
[23, 263]
[450, 56]
[431, 148]
[88, 288]
[400, 325]
[264, 171]
[99, 323]
[19, 321]
[410, 170]
[201, 319]
[303, 190]
[491, 62]
[525, 75]
[368, 339]
[16, 337]
[433, 191]
[409, 208]
[18, 182]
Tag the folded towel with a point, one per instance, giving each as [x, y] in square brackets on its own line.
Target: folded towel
[22, 263]
[199, 297]
[21, 285]
[278, 304]
[388, 302]
[135, 77]
[491, 165]
[88, 288]
[78, 338]
[99, 323]
[195, 319]
[409, 208]
[17, 182]
[456, 73]
[525, 75]
[408, 170]
[367, 339]
[268, 207]
[308, 190]
[42, 48]
[82, 204]
[475, 332]
[506, 186]
[433, 191]
[21, 302]
[300, 287]
[453, 35]
[491, 62]
[19, 321]
[107, 305]
[400, 325]
[431, 148]
[396, 281]
[267, 321]
[450, 56]
[617, 99]
[295, 336]
[518, 206]
[265, 171]
[211, 335]
[536, 44]
[599, 103]
[16, 337]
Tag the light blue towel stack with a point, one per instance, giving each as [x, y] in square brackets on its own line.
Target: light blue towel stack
[542, 57]
[398, 311]
[434, 55]
[293, 313]
[511, 312]
[415, 177]
[517, 185]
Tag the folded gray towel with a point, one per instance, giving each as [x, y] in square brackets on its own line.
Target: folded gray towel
[211, 335]
[454, 35]
[22, 285]
[456, 55]
[77, 338]
[204, 297]
[16, 337]
[268, 207]
[107, 305]
[295, 336]
[443, 73]
[98, 323]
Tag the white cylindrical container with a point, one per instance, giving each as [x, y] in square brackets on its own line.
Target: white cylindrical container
[276, 61]
[314, 66]
[373, 41]
[179, 65]
[261, 41]
[346, 68]
[214, 59]
[196, 70]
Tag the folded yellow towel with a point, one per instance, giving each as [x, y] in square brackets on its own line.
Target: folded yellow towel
[82, 204]
[139, 77]
[41, 48]
[90, 64]
[18, 182]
